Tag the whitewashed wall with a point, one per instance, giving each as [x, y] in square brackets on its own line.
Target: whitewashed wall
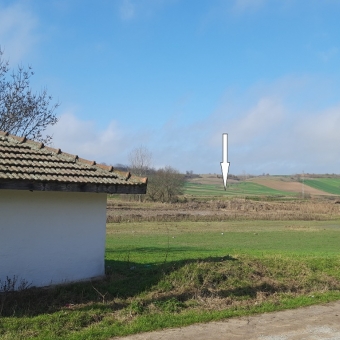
[51, 237]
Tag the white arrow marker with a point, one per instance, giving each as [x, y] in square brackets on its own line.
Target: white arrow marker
[224, 163]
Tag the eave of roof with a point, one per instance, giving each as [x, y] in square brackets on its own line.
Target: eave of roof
[30, 165]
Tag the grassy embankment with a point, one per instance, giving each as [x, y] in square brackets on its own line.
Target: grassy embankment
[167, 274]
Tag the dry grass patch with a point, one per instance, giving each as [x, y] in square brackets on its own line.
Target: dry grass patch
[219, 210]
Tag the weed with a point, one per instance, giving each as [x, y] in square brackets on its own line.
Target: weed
[171, 305]
[164, 286]
[100, 294]
[135, 308]
[12, 284]
[9, 286]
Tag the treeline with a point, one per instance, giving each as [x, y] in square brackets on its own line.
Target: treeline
[234, 177]
[164, 184]
[308, 175]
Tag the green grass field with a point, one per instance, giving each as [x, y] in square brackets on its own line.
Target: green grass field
[167, 274]
[148, 242]
[330, 185]
[233, 189]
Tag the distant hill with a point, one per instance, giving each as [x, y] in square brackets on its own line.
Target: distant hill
[309, 184]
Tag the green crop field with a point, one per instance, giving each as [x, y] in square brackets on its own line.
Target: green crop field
[330, 185]
[149, 242]
[233, 189]
[169, 274]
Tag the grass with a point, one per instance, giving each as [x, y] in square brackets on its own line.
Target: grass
[233, 189]
[330, 185]
[168, 274]
[146, 242]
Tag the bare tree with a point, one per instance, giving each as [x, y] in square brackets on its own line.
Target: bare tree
[140, 163]
[165, 185]
[23, 112]
[140, 160]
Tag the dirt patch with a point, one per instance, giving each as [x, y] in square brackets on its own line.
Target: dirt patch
[310, 323]
[288, 186]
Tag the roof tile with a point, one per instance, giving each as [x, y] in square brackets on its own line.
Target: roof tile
[22, 159]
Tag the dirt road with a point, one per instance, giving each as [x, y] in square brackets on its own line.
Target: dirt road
[310, 323]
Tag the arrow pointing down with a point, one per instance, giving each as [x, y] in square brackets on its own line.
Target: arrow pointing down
[224, 163]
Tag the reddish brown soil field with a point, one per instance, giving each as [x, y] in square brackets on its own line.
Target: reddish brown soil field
[288, 186]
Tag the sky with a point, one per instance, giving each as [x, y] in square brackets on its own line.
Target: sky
[174, 75]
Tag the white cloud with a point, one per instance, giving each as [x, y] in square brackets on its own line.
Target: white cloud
[130, 9]
[319, 134]
[329, 54]
[280, 132]
[83, 138]
[244, 5]
[309, 142]
[17, 31]
[261, 118]
[127, 10]
[268, 131]
[110, 144]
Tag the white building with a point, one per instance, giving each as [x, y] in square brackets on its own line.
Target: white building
[53, 212]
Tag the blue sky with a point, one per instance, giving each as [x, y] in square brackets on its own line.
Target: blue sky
[173, 75]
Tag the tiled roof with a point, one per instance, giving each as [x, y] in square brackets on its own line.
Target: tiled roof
[25, 164]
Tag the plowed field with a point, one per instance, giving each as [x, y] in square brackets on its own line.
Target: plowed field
[288, 186]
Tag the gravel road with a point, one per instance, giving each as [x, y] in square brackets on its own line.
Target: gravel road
[318, 322]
